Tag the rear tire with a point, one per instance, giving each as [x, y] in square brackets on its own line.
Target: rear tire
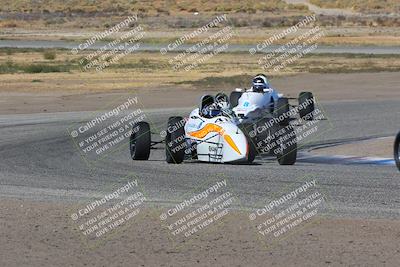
[307, 99]
[287, 154]
[140, 141]
[175, 143]
[234, 98]
[282, 111]
[396, 150]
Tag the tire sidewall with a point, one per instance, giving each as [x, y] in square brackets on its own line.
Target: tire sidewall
[282, 107]
[288, 155]
[396, 150]
[141, 136]
[303, 97]
[175, 141]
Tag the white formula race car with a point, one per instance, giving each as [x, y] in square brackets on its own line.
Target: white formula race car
[211, 133]
[251, 106]
[265, 115]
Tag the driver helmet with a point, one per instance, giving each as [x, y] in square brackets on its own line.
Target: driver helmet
[260, 82]
[222, 100]
[210, 111]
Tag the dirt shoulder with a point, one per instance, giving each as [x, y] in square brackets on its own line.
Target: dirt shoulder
[20, 96]
[41, 234]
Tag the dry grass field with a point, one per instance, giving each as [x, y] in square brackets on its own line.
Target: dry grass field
[167, 20]
[151, 7]
[55, 70]
[88, 14]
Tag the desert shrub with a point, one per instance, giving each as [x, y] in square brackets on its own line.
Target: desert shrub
[42, 68]
[266, 23]
[7, 67]
[49, 55]
[8, 24]
[300, 7]
[11, 67]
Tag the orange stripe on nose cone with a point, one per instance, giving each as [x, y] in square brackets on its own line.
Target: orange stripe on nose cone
[211, 127]
[229, 140]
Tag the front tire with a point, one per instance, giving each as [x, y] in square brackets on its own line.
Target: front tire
[140, 141]
[281, 111]
[264, 135]
[396, 150]
[252, 153]
[175, 143]
[306, 99]
[287, 148]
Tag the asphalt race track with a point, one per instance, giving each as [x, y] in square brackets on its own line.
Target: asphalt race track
[39, 161]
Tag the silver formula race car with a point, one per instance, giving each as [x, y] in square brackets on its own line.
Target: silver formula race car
[262, 101]
[211, 133]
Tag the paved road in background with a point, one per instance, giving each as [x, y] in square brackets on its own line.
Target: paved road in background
[376, 50]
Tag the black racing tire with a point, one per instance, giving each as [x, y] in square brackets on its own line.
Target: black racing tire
[396, 151]
[194, 151]
[262, 138]
[251, 155]
[272, 106]
[140, 141]
[287, 154]
[281, 111]
[307, 99]
[175, 143]
[234, 98]
[247, 129]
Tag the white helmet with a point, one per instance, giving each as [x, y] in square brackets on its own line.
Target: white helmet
[222, 100]
[260, 82]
